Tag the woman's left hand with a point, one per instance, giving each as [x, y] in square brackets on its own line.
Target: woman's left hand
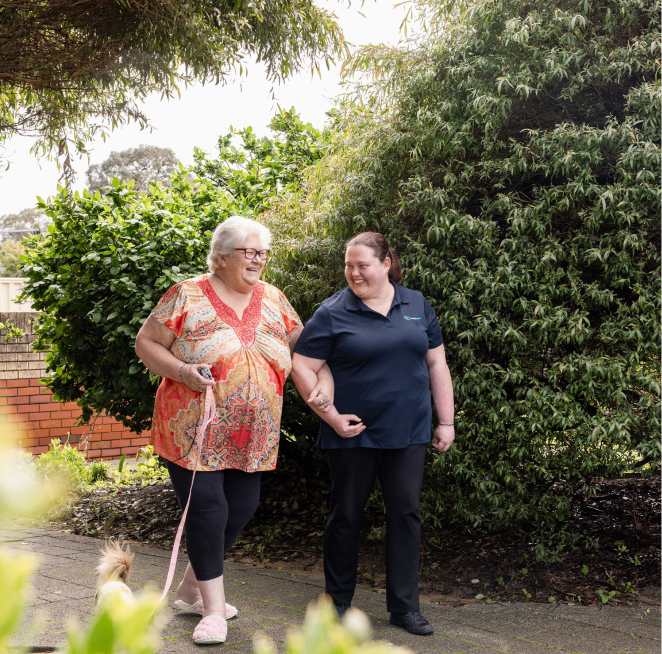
[321, 397]
[444, 435]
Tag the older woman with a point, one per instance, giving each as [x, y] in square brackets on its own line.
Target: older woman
[243, 330]
[384, 347]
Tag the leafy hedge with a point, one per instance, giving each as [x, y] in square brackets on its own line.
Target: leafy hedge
[513, 162]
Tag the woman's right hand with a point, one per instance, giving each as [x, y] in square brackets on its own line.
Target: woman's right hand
[193, 379]
[340, 423]
[320, 399]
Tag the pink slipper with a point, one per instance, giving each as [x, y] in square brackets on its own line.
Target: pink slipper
[198, 607]
[211, 630]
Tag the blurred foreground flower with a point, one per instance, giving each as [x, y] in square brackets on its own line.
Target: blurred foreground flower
[24, 492]
[119, 627]
[323, 634]
[15, 571]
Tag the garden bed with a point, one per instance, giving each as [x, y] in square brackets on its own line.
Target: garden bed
[287, 531]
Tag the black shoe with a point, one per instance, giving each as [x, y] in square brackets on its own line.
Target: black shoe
[413, 622]
[341, 609]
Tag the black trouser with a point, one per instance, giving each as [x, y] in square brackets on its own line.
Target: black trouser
[354, 472]
[222, 503]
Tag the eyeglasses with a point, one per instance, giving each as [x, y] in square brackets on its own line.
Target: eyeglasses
[251, 253]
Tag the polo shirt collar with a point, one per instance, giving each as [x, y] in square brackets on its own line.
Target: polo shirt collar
[400, 295]
[353, 303]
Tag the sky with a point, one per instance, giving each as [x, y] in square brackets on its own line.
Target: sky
[205, 112]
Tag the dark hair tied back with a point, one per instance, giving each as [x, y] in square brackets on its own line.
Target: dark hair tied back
[382, 249]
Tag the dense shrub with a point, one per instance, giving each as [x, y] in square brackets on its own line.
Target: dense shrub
[513, 161]
[63, 461]
[99, 470]
[261, 167]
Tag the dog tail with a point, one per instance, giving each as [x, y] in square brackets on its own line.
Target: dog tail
[115, 564]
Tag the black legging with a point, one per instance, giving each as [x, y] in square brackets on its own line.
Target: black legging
[222, 503]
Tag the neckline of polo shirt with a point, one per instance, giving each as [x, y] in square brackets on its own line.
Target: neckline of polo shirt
[399, 295]
[354, 303]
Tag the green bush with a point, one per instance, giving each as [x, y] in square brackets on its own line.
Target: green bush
[262, 168]
[64, 461]
[99, 470]
[513, 161]
[150, 466]
[10, 251]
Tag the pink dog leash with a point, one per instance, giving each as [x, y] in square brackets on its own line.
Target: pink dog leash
[210, 407]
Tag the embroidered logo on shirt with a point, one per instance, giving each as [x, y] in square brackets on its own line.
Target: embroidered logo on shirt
[411, 318]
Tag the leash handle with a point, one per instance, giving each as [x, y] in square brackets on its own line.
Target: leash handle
[210, 407]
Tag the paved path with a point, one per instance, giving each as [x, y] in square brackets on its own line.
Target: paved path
[272, 602]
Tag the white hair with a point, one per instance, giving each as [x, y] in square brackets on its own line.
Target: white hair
[232, 233]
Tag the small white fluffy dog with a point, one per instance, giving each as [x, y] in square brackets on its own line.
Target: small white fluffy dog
[114, 569]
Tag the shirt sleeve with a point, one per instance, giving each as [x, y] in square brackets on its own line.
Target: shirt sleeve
[433, 328]
[290, 316]
[172, 309]
[316, 340]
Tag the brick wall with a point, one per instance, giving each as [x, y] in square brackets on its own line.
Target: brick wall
[17, 360]
[29, 414]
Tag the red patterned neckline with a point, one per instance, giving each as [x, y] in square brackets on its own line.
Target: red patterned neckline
[246, 327]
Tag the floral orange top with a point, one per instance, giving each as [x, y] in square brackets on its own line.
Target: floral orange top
[251, 360]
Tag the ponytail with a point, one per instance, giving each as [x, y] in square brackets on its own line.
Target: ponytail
[395, 271]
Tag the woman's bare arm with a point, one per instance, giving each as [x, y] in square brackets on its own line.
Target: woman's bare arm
[305, 371]
[325, 389]
[153, 345]
[442, 394]
[294, 337]
[324, 386]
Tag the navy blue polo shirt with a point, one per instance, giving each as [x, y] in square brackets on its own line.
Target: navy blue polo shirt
[378, 366]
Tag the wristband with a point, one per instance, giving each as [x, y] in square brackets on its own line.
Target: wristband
[180, 371]
[447, 424]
